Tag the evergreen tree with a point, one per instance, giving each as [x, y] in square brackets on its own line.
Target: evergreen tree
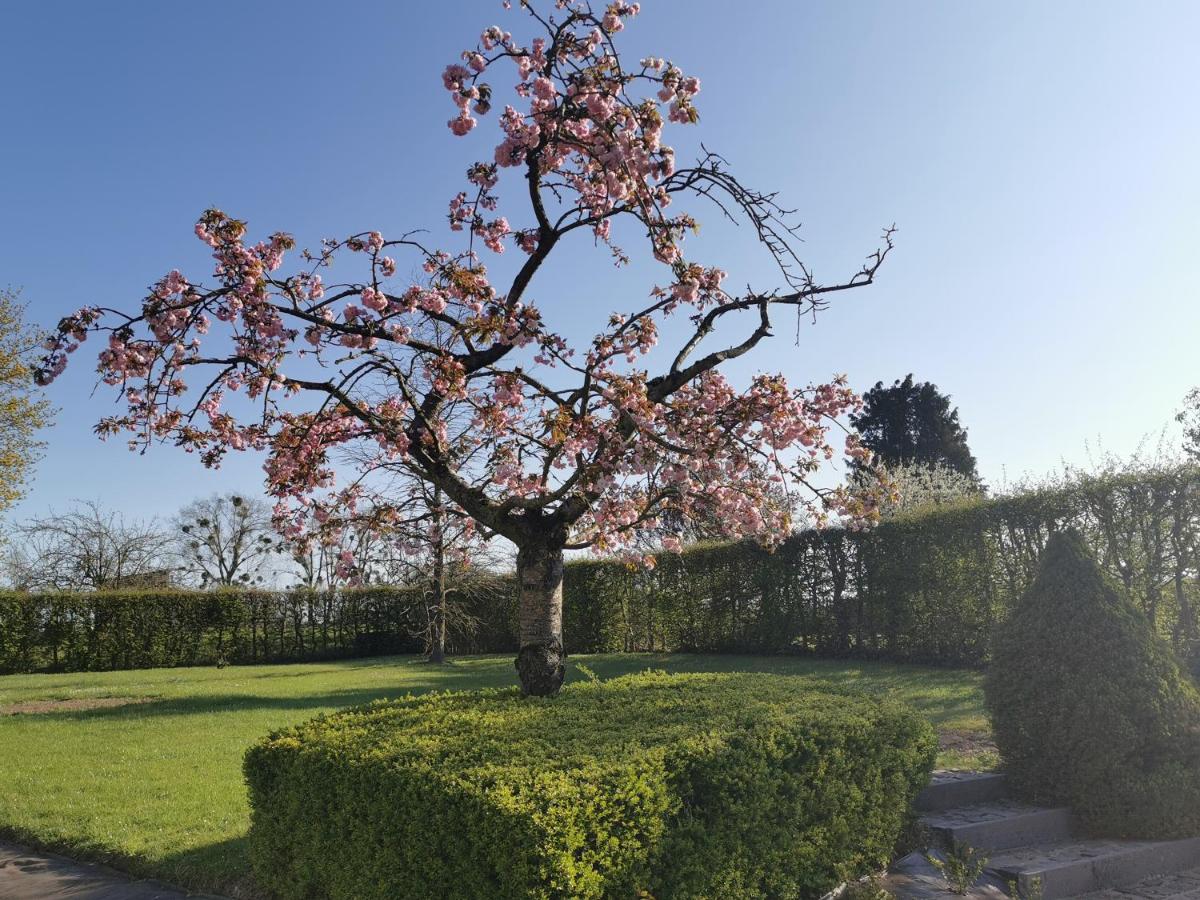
[1090, 707]
[914, 423]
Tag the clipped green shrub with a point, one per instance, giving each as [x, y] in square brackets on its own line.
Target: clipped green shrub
[146, 628]
[1091, 708]
[678, 785]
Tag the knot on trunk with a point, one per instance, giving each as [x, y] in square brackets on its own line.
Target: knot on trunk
[541, 668]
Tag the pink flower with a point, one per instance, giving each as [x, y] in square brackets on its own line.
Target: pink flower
[454, 77]
[462, 124]
[373, 299]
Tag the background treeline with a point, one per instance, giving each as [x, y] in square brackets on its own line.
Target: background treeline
[925, 586]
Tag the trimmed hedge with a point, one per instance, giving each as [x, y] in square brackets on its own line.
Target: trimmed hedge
[133, 629]
[923, 588]
[926, 587]
[1091, 708]
[676, 785]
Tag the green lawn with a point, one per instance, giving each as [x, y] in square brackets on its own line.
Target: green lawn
[156, 787]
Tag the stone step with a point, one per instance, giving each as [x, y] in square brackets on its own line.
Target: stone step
[998, 825]
[1071, 868]
[1180, 886]
[915, 878]
[948, 789]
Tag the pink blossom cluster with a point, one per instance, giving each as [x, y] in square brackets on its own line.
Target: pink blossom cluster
[298, 462]
[71, 331]
[695, 286]
[581, 122]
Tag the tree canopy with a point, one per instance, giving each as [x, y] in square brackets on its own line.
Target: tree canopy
[226, 540]
[913, 423]
[462, 381]
[23, 410]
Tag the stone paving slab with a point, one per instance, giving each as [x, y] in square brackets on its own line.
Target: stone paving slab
[973, 808]
[29, 875]
[914, 878]
[1180, 886]
[977, 813]
[1073, 868]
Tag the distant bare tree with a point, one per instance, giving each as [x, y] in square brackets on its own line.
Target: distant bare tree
[319, 559]
[226, 540]
[438, 549]
[428, 544]
[88, 548]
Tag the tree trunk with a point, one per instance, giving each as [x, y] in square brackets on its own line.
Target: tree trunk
[437, 639]
[540, 660]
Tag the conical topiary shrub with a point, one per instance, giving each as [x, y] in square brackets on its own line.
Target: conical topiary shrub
[1090, 707]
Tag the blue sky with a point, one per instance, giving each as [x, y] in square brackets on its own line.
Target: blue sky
[1039, 160]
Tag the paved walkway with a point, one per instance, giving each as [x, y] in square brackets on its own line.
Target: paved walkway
[26, 875]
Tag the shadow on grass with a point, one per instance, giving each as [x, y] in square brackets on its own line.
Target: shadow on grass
[309, 668]
[222, 867]
[222, 703]
[940, 695]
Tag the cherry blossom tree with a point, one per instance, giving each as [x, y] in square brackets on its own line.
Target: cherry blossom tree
[465, 384]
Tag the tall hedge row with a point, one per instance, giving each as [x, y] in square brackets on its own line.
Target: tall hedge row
[151, 628]
[924, 587]
[920, 588]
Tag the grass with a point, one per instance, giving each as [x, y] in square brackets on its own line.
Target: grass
[156, 787]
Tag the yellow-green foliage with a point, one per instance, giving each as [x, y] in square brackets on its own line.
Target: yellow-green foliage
[22, 409]
[1090, 708]
[680, 785]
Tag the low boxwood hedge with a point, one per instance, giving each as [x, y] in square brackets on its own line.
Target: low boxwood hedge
[704, 785]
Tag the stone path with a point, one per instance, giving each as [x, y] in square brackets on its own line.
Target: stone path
[1181, 886]
[26, 875]
[1037, 850]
